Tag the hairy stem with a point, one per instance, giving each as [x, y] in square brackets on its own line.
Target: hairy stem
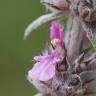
[73, 38]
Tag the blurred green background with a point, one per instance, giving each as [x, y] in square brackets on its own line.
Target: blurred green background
[15, 53]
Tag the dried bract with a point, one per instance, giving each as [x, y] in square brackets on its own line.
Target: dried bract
[56, 5]
[54, 75]
[86, 10]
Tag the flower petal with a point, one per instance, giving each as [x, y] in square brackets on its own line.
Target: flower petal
[56, 31]
[44, 69]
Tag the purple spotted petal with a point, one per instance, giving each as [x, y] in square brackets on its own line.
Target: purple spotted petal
[56, 31]
[44, 69]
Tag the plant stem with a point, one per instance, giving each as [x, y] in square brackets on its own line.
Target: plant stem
[73, 38]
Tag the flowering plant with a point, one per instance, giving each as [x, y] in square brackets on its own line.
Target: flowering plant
[67, 67]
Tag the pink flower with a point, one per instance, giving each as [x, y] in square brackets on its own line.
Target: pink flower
[44, 69]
